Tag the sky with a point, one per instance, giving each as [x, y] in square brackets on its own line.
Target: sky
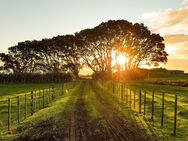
[22, 20]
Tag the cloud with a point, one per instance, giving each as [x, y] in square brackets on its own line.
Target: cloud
[177, 48]
[173, 25]
[184, 1]
[176, 38]
[182, 64]
[178, 44]
[168, 21]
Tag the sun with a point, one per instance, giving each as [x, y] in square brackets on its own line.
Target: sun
[118, 59]
[121, 59]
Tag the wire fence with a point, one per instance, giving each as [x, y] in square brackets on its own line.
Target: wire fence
[17, 108]
[158, 108]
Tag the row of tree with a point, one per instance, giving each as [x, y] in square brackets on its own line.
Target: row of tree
[90, 47]
[35, 78]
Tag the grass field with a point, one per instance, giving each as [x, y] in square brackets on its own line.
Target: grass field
[164, 133]
[24, 110]
[91, 108]
[7, 90]
[87, 112]
[176, 77]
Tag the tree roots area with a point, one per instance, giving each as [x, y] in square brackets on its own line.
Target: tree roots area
[88, 112]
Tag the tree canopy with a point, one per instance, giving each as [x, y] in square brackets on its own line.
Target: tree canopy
[90, 47]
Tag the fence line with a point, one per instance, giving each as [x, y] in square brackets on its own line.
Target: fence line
[17, 108]
[140, 101]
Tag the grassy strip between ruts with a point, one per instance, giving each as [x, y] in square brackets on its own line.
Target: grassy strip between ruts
[50, 112]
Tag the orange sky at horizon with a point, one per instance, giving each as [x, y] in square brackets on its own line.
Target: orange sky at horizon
[35, 20]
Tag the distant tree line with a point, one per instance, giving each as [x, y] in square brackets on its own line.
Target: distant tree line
[93, 48]
[35, 78]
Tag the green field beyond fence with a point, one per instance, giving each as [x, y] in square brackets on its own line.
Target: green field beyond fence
[163, 112]
[16, 108]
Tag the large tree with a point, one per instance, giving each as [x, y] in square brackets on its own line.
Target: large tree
[56, 55]
[134, 41]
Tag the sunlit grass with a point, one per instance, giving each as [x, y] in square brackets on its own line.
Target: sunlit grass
[51, 111]
[7, 90]
[164, 133]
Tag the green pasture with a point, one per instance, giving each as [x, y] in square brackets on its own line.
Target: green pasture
[105, 91]
[174, 77]
[40, 101]
[7, 90]
[154, 127]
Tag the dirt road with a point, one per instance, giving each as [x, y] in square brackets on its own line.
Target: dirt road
[89, 115]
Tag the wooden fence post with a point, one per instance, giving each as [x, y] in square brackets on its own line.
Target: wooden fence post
[18, 104]
[140, 101]
[175, 115]
[25, 106]
[39, 99]
[134, 98]
[62, 89]
[53, 93]
[124, 93]
[48, 92]
[32, 103]
[121, 91]
[127, 96]
[47, 96]
[117, 93]
[113, 87]
[118, 90]
[162, 110]
[144, 102]
[50, 95]
[130, 97]
[43, 98]
[119, 96]
[9, 113]
[152, 106]
[35, 101]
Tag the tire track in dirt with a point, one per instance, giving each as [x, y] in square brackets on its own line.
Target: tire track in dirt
[119, 127]
[81, 119]
[77, 127]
